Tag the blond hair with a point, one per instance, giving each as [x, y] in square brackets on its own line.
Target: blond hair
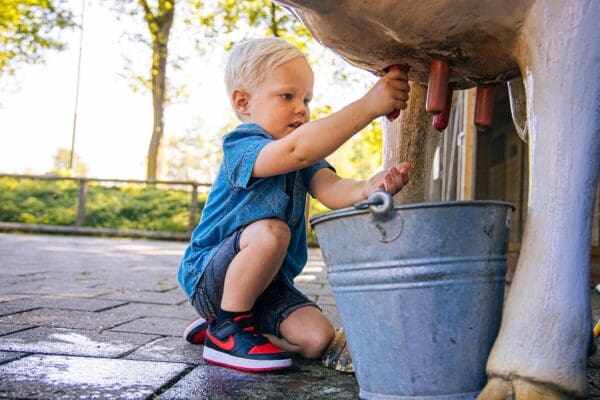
[250, 61]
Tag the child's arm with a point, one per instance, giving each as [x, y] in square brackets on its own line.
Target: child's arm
[336, 192]
[315, 140]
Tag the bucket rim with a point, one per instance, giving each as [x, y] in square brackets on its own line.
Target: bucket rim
[348, 211]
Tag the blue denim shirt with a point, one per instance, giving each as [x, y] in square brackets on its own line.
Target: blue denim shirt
[237, 199]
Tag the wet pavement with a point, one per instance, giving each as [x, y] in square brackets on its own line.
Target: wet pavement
[88, 317]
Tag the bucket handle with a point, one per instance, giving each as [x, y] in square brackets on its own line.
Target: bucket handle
[387, 225]
[380, 203]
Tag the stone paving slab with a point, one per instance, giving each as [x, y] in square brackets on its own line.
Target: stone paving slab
[12, 275]
[306, 380]
[169, 349]
[13, 307]
[5, 329]
[315, 289]
[332, 313]
[325, 300]
[135, 310]
[171, 297]
[12, 297]
[74, 342]
[6, 356]
[593, 374]
[67, 377]
[595, 300]
[65, 303]
[129, 281]
[158, 326]
[122, 295]
[44, 287]
[66, 319]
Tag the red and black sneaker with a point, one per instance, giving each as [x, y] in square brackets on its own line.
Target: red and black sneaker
[236, 344]
[195, 332]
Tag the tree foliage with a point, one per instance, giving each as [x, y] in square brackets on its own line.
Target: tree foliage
[225, 22]
[28, 27]
[194, 155]
[358, 158]
[158, 16]
[208, 24]
[197, 154]
[232, 20]
[61, 164]
[361, 156]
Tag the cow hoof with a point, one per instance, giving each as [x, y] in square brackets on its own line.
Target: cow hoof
[344, 361]
[337, 355]
[518, 389]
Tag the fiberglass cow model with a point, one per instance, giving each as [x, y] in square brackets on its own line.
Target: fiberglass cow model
[554, 46]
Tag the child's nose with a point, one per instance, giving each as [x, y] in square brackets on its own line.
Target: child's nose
[301, 108]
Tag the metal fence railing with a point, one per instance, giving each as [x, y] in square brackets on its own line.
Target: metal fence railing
[79, 228]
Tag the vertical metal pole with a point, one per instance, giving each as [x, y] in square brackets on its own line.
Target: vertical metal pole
[193, 208]
[83, 189]
[77, 89]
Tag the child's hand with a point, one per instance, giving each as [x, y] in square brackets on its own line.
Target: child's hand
[389, 93]
[391, 180]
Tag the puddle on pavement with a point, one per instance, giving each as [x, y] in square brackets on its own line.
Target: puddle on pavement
[87, 376]
[63, 341]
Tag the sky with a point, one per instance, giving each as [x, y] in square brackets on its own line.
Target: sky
[37, 104]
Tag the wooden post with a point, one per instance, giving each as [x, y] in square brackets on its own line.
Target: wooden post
[412, 138]
[193, 208]
[467, 189]
[83, 189]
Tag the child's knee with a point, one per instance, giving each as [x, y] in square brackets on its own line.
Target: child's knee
[269, 233]
[316, 344]
[277, 230]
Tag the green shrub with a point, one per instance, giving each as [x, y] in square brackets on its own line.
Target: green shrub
[140, 207]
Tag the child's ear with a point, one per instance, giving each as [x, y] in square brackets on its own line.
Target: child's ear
[240, 100]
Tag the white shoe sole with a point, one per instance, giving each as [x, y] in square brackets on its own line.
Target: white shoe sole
[192, 326]
[216, 357]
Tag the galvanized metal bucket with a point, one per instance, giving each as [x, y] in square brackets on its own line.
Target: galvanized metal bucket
[419, 289]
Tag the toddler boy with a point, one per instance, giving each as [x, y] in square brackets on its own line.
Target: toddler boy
[239, 268]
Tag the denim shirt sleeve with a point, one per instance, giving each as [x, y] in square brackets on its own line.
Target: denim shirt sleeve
[309, 172]
[240, 150]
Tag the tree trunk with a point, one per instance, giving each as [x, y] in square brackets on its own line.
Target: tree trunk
[274, 23]
[159, 25]
[159, 63]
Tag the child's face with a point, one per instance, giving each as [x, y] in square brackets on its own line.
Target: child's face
[279, 104]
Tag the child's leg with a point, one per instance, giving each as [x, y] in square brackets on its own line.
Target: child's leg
[263, 246]
[292, 321]
[306, 331]
[232, 339]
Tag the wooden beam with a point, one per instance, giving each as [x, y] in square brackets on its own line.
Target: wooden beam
[412, 138]
[469, 156]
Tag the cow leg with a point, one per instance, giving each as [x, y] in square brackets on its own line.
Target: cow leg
[541, 348]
